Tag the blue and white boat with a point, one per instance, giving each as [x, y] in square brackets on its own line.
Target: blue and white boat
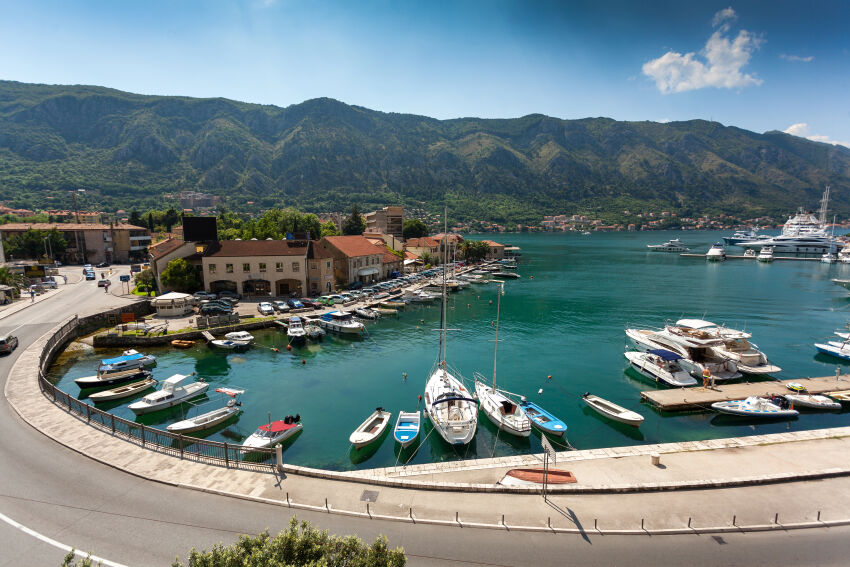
[542, 419]
[835, 348]
[407, 427]
[131, 359]
[754, 406]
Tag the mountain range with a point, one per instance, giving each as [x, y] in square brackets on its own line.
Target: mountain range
[128, 150]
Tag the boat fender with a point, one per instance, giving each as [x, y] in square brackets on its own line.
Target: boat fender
[549, 377]
[303, 361]
[288, 347]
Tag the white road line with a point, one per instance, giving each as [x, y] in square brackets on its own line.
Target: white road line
[55, 543]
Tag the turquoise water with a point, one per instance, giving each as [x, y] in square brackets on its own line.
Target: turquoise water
[566, 322]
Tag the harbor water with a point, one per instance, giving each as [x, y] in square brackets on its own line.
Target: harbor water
[561, 335]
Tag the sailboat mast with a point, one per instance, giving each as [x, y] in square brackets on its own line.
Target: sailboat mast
[496, 344]
[443, 314]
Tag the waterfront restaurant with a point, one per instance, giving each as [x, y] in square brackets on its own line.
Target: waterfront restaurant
[173, 304]
[262, 268]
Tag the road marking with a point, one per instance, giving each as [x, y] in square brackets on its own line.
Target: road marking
[54, 543]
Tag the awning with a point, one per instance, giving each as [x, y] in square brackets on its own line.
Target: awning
[367, 271]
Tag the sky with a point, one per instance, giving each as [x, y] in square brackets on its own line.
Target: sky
[758, 65]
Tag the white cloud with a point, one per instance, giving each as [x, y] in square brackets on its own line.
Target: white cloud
[718, 65]
[797, 58]
[664, 120]
[802, 130]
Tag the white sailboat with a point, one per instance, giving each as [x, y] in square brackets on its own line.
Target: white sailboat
[501, 410]
[448, 405]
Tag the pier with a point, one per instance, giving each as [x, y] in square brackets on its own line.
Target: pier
[742, 257]
[685, 399]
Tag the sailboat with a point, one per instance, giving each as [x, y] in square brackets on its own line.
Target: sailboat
[448, 405]
[501, 410]
[831, 257]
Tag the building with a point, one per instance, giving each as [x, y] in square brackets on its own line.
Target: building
[452, 241]
[256, 267]
[388, 239]
[320, 269]
[389, 220]
[92, 243]
[356, 259]
[161, 253]
[391, 264]
[496, 251]
[421, 246]
[195, 200]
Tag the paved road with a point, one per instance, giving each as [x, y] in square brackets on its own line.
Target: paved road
[132, 521]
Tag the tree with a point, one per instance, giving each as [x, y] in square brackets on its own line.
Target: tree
[13, 279]
[145, 280]
[32, 244]
[328, 228]
[180, 275]
[473, 250]
[414, 228]
[151, 225]
[354, 224]
[170, 219]
[428, 259]
[135, 218]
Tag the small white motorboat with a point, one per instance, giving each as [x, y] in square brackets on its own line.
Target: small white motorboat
[716, 253]
[662, 366]
[370, 430]
[314, 332]
[813, 401]
[174, 392]
[341, 322]
[295, 331]
[835, 348]
[102, 379]
[124, 391]
[273, 433]
[366, 313]
[240, 337]
[407, 427]
[754, 406]
[674, 245]
[228, 344]
[765, 254]
[205, 420]
[612, 410]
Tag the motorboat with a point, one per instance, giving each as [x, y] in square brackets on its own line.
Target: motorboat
[813, 401]
[341, 322]
[240, 337]
[407, 427]
[697, 356]
[174, 392]
[393, 304]
[125, 391]
[716, 253]
[206, 420]
[829, 258]
[101, 380]
[765, 254]
[747, 235]
[835, 348]
[735, 345]
[366, 313]
[229, 345]
[422, 297]
[754, 406]
[506, 275]
[314, 332]
[273, 433]
[370, 430]
[544, 421]
[612, 410]
[749, 253]
[674, 245]
[803, 233]
[503, 412]
[535, 475]
[842, 282]
[661, 365]
[844, 254]
[295, 331]
[129, 360]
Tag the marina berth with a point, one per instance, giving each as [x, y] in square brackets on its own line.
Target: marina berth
[407, 427]
[612, 410]
[174, 392]
[371, 429]
[273, 433]
[661, 365]
[125, 391]
[542, 420]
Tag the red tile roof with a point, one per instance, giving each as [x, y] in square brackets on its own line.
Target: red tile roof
[164, 247]
[242, 248]
[451, 237]
[492, 243]
[62, 226]
[424, 242]
[410, 256]
[352, 246]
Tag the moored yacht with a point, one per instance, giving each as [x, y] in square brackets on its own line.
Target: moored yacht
[716, 253]
[674, 245]
[734, 345]
[696, 356]
[765, 254]
[747, 235]
[661, 365]
[341, 322]
[803, 233]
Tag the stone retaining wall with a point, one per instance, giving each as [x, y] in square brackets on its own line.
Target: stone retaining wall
[116, 340]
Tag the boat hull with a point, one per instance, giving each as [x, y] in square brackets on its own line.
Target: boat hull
[204, 421]
[112, 379]
[125, 391]
[544, 421]
[191, 391]
[535, 475]
[613, 411]
[407, 427]
[516, 423]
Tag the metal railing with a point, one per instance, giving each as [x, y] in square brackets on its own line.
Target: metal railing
[200, 450]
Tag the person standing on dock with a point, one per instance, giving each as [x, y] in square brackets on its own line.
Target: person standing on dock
[706, 376]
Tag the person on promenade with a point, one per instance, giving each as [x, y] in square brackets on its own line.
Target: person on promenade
[706, 377]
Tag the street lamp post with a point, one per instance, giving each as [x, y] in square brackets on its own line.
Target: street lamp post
[47, 243]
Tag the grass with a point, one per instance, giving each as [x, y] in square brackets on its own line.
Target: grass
[142, 293]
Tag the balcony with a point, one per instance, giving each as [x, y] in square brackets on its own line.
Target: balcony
[140, 238]
[137, 248]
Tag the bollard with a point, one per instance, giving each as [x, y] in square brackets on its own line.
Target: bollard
[594, 524]
[641, 523]
[278, 455]
[689, 521]
[549, 522]
[734, 517]
[457, 518]
[503, 519]
[326, 506]
[287, 499]
[411, 513]
[818, 515]
[656, 458]
[776, 518]
[367, 510]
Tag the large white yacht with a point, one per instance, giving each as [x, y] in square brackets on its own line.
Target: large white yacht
[803, 233]
[744, 236]
[734, 345]
[697, 353]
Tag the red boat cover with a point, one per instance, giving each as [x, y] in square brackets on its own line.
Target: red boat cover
[277, 426]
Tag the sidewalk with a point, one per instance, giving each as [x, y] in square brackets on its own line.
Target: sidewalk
[619, 490]
[25, 302]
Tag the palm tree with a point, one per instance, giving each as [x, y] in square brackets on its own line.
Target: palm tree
[13, 279]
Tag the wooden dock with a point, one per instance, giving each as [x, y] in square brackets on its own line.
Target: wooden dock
[684, 399]
[207, 335]
[742, 257]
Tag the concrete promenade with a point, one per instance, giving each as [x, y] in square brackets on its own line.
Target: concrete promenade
[766, 482]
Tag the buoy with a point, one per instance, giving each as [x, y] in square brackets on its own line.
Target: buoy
[491, 302]
[275, 349]
[549, 377]
[468, 306]
[531, 277]
[404, 375]
[303, 361]
[540, 391]
[288, 347]
[420, 397]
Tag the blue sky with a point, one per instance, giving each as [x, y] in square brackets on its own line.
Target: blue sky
[759, 65]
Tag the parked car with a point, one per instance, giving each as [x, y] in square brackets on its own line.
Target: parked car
[215, 308]
[103, 283]
[87, 268]
[295, 304]
[326, 300]
[200, 295]
[265, 308]
[8, 343]
[135, 268]
[311, 303]
[232, 295]
[280, 306]
[103, 265]
[49, 282]
[90, 275]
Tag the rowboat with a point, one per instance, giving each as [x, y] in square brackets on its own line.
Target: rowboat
[112, 378]
[371, 429]
[612, 410]
[543, 420]
[273, 433]
[534, 475]
[123, 391]
[754, 406]
[206, 420]
[811, 401]
[407, 427]
[180, 343]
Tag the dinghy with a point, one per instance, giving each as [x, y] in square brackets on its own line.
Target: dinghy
[206, 420]
[371, 429]
[754, 406]
[811, 401]
[131, 359]
[407, 427]
[123, 391]
[612, 410]
[542, 419]
[180, 343]
[534, 475]
[366, 313]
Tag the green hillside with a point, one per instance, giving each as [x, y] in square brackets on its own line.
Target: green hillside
[128, 150]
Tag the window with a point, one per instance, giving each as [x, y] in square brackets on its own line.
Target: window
[262, 267]
[314, 265]
[328, 265]
[296, 266]
[246, 267]
[278, 267]
[228, 268]
[212, 268]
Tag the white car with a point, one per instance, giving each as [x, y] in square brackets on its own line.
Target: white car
[265, 308]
